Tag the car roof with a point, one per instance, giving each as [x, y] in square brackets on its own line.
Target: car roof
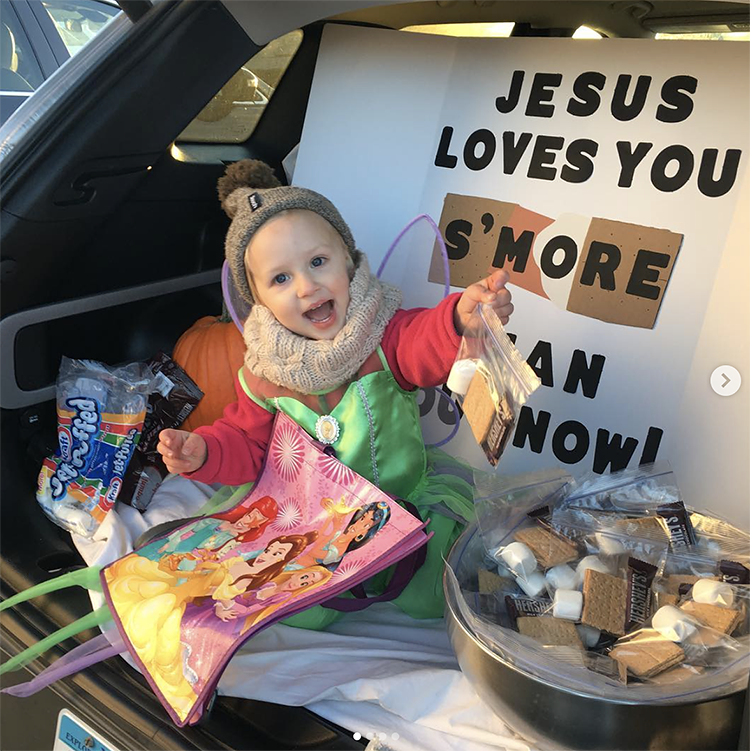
[264, 20]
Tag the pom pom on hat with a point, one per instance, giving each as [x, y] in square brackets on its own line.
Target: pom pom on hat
[247, 173]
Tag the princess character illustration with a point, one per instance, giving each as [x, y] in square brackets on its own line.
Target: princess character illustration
[363, 525]
[184, 547]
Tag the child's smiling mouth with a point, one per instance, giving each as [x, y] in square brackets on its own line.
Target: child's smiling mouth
[321, 314]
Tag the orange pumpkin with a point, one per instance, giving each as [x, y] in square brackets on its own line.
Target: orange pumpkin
[211, 352]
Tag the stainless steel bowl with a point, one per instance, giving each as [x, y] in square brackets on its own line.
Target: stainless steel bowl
[552, 717]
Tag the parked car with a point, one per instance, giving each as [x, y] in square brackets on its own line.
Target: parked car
[38, 36]
[112, 240]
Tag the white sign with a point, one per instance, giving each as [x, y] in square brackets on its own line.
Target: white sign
[582, 139]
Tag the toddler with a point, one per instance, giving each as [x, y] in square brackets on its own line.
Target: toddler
[328, 344]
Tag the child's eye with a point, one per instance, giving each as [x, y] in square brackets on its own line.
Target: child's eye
[317, 261]
[280, 278]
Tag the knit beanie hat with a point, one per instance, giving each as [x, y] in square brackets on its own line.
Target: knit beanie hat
[251, 194]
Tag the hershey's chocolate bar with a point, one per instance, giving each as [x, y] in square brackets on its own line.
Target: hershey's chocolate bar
[543, 515]
[640, 577]
[734, 572]
[679, 526]
[526, 606]
[499, 432]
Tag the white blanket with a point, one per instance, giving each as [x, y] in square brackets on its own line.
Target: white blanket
[380, 674]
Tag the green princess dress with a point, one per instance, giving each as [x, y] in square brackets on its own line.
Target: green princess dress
[376, 432]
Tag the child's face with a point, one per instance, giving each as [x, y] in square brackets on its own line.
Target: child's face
[297, 267]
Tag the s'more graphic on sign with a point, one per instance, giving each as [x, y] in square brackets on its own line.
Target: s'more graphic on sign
[613, 271]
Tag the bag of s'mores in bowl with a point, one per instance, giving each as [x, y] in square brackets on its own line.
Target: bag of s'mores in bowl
[598, 587]
[491, 381]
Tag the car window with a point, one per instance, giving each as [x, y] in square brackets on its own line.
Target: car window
[79, 21]
[20, 70]
[727, 36]
[235, 110]
[486, 30]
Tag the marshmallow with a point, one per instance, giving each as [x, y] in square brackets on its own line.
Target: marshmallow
[533, 585]
[609, 545]
[519, 559]
[568, 604]
[460, 376]
[713, 592]
[589, 635]
[74, 519]
[590, 562]
[673, 624]
[504, 571]
[561, 577]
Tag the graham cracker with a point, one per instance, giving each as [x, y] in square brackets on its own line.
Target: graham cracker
[549, 548]
[479, 407]
[645, 526]
[490, 582]
[550, 631]
[725, 620]
[648, 655]
[665, 598]
[604, 602]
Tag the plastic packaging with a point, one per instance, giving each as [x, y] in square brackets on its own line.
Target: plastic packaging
[174, 397]
[491, 380]
[100, 413]
[634, 577]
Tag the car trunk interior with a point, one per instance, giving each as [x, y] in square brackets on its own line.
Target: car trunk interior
[112, 241]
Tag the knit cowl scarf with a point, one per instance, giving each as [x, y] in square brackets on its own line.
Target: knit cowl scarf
[309, 366]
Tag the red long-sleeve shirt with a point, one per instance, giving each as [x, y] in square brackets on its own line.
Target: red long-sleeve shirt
[419, 345]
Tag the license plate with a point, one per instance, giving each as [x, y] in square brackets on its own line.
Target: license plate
[73, 734]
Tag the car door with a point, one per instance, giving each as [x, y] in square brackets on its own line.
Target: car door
[27, 59]
[38, 36]
[112, 240]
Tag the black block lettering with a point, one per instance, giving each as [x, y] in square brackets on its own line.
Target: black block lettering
[588, 375]
[595, 264]
[487, 139]
[629, 160]
[457, 235]
[651, 446]
[506, 104]
[685, 163]
[623, 111]
[586, 87]
[543, 156]
[678, 105]
[567, 264]
[512, 151]
[510, 249]
[542, 91]
[645, 270]
[612, 452]
[534, 430]
[540, 361]
[559, 440]
[706, 183]
[427, 402]
[446, 411]
[442, 157]
[580, 154]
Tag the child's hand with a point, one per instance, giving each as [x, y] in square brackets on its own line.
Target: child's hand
[182, 451]
[490, 290]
